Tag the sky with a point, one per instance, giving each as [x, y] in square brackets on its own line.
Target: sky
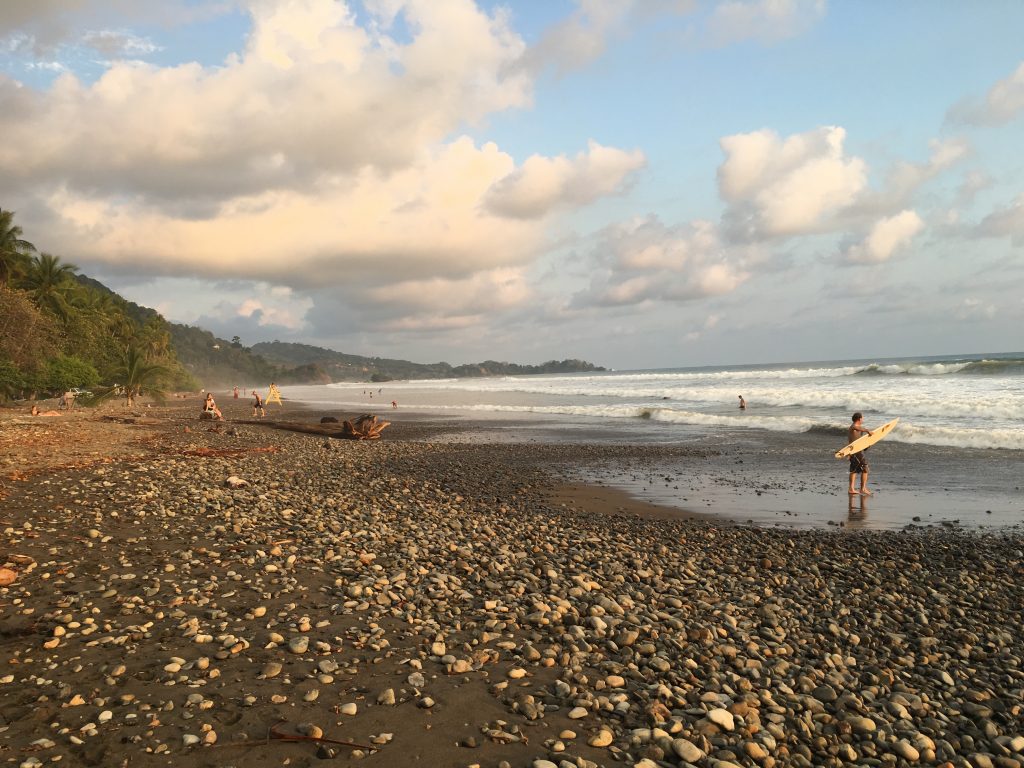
[638, 183]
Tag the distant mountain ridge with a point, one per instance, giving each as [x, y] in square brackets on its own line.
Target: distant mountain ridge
[216, 362]
[340, 366]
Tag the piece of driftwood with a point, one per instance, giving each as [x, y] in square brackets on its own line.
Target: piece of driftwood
[366, 427]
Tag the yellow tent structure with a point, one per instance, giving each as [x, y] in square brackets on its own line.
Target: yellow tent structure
[274, 395]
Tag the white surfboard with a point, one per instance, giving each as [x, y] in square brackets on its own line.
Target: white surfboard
[866, 441]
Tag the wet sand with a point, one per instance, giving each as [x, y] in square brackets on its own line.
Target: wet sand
[443, 602]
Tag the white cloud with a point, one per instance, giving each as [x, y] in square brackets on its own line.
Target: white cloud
[421, 221]
[974, 309]
[1003, 103]
[312, 94]
[277, 307]
[1005, 222]
[119, 43]
[785, 187]
[439, 303]
[583, 36]
[545, 184]
[886, 237]
[766, 21]
[643, 261]
[906, 178]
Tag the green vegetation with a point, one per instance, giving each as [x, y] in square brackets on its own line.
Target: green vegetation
[61, 330]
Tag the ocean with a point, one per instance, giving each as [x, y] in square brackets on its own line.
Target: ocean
[960, 436]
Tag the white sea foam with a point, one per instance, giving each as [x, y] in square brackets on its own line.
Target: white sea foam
[955, 402]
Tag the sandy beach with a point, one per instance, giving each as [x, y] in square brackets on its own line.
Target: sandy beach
[228, 594]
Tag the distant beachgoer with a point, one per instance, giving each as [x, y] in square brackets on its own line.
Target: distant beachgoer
[394, 404]
[35, 410]
[858, 461]
[67, 400]
[211, 407]
[743, 403]
[236, 393]
[257, 405]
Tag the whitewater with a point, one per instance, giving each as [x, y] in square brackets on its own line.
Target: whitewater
[965, 401]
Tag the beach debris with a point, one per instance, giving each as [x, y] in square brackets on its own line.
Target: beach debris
[366, 427]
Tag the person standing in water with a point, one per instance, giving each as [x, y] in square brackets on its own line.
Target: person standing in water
[858, 461]
[743, 403]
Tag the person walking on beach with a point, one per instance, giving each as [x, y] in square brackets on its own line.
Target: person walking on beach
[858, 461]
[257, 405]
[743, 403]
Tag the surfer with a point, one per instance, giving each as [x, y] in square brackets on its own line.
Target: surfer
[858, 461]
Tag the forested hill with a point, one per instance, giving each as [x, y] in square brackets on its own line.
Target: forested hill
[61, 330]
[340, 366]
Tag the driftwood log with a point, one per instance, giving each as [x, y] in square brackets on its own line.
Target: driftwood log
[366, 427]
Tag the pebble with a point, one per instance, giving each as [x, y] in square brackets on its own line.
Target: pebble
[602, 738]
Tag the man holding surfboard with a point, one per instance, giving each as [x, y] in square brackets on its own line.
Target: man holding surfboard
[858, 461]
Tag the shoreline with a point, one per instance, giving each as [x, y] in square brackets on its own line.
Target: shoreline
[450, 603]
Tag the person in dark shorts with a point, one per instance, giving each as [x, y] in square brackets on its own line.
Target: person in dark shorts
[743, 403]
[257, 405]
[858, 461]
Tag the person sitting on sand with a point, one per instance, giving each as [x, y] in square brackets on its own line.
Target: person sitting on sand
[211, 407]
[257, 405]
[36, 412]
[858, 461]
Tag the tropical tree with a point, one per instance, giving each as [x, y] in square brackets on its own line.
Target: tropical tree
[50, 284]
[13, 250]
[135, 374]
[155, 339]
[28, 336]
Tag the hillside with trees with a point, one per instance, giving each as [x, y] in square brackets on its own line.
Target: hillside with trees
[61, 330]
[59, 333]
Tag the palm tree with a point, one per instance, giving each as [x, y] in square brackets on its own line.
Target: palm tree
[155, 339]
[13, 250]
[49, 282]
[135, 374]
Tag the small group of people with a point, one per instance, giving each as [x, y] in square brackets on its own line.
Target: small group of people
[210, 405]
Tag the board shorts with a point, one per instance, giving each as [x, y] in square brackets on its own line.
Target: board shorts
[858, 463]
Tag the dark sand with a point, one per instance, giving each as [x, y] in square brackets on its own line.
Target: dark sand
[154, 606]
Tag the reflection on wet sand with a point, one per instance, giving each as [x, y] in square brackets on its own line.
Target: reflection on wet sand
[858, 512]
